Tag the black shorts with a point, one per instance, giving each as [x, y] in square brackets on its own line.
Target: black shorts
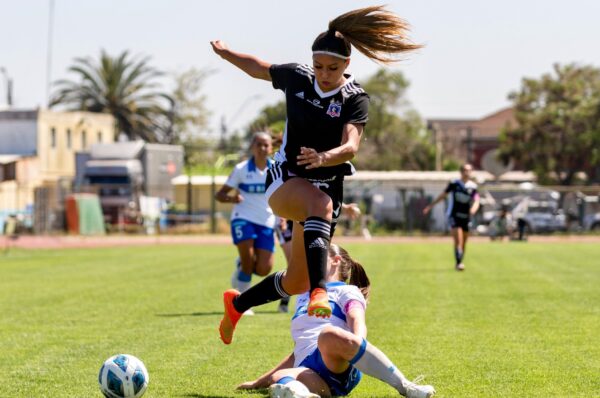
[456, 222]
[332, 186]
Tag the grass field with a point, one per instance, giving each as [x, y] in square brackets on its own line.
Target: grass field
[523, 320]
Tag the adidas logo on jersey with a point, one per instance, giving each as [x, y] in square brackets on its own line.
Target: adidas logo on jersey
[319, 242]
[300, 94]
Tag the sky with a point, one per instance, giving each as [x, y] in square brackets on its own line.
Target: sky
[476, 52]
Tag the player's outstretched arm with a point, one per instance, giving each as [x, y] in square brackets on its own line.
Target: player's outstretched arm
[223, 195]
[250, 64]
[437, 200]
[475, 205]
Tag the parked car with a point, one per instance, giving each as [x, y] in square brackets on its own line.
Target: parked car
[591, 222]
[540, 216]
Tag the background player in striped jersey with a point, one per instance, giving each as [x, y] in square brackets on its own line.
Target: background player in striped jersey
[326, 114]
[252, 220]
[463, 203]
[330, 354]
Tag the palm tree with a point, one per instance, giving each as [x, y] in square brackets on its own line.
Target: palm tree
[125, 87]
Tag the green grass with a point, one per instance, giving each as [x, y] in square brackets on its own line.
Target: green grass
[523, 320]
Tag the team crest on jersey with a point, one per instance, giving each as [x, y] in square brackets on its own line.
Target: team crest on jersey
[335, 109]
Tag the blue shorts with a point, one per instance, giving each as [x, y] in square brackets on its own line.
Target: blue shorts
[264, 237]
[340, 384]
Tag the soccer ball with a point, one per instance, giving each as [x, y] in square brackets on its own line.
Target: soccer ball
[123, 376]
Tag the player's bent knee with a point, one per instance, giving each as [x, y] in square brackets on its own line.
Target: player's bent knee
[293, 288]
[263, 269]
[334, 339]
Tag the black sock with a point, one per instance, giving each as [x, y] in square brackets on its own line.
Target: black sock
[316, 243]
[267, 290]
[458, 255]
[285, 300]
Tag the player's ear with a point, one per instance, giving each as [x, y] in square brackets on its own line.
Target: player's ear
[336, 260]
[346, 63]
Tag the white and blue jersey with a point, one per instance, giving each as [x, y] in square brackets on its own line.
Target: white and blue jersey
[306, 329]
[249, 180]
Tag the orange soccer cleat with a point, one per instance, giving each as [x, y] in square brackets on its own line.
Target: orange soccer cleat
[319, 304]
[230, 317]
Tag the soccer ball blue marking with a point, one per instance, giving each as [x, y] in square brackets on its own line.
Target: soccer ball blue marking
[139, 380]
[100, 375]
[114, 384]
[121, 362]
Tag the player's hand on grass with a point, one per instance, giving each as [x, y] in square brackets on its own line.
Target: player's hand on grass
[248, 385]
[310, 158]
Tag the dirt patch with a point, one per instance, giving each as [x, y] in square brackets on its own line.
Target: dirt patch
[62, 242]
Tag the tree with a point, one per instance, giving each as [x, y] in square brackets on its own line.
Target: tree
[190, 117]
[395, 137]
[123, 86]
[558, 125]
[270, 118]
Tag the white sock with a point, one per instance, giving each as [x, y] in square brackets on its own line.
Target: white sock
[370, 360]
[297, 386]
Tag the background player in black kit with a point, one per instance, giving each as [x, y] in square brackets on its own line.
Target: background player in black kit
[326, 114]
[464, 202]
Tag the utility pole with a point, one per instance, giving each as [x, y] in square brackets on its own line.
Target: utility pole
[49, 52]
[469, 144]
[437, 139]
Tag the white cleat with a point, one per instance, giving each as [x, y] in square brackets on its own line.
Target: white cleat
[460, 267]
[249, 312]
[293, 389]
[417, 391]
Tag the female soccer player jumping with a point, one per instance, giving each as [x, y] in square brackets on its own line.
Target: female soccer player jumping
[326, 114]
[464, 202]
[330, 355]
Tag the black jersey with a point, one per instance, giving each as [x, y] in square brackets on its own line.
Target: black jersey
[462, 196]
[315, 119]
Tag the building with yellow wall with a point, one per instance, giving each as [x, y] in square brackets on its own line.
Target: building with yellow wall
[37, 148]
